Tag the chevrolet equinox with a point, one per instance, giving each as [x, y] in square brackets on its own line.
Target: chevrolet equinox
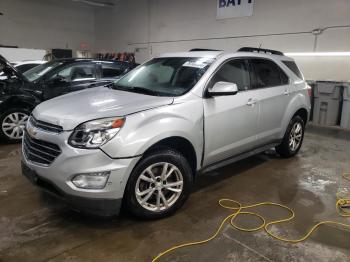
[140, 141]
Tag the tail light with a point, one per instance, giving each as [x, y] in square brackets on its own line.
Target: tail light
[309, 91]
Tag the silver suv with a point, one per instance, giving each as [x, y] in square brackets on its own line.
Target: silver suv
[141, 141]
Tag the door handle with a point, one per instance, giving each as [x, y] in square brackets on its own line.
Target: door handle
[251, 102]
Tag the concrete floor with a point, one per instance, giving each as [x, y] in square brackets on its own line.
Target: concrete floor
[35, 227]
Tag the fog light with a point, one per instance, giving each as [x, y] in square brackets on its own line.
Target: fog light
[91, 180]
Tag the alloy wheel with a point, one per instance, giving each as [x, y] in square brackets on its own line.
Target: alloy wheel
[159, 186]
[295, 136]
[13, 125]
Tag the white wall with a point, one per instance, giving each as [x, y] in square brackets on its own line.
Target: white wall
[165, 26]
[156, 26]
[21, 54]
[116, 27]
[46, 24]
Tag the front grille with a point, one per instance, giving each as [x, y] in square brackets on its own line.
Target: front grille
[45, 125]
[40, 151]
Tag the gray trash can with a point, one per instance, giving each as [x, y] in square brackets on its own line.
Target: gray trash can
[312, 84]
[327, 98]
[345, 116]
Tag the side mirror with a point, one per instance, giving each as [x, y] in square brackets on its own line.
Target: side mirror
[57, 80]
[223, 89]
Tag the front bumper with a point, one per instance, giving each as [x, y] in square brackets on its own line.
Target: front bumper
[99, 206]
[56, 177]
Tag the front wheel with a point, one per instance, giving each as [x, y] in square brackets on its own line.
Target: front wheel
[13, 122]
[293, 138]
[158, 185]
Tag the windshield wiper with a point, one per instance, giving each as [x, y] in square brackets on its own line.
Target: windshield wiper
[145, 91]
[136, 89]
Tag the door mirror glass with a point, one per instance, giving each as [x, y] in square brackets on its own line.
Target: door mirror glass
[223, 89]
[58, 79]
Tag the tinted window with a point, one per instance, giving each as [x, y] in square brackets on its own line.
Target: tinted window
[78, 72]
[235, 71]
[268, 74]
[111, 70]
[294, 68]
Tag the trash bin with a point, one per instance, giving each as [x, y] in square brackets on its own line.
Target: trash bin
[312, 84]
[327, 101]
[345, 116]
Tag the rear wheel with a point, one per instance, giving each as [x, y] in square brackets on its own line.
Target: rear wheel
[158, 185]
[13, 122]
[293, 138]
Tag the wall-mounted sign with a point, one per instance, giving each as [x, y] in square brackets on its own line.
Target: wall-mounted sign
[234, 8]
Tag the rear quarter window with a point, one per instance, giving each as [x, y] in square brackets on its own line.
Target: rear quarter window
[294, 68]
[268, 73]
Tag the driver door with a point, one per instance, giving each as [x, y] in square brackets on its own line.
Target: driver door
[230, 121]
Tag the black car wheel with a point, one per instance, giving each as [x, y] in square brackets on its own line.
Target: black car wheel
[13, 122]
[158, 185]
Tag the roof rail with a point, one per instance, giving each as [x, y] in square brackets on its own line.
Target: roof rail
[203, 49]
[260, 50]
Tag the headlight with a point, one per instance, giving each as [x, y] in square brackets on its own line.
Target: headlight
[96, 133]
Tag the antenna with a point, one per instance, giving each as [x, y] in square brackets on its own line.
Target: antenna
[259, 48]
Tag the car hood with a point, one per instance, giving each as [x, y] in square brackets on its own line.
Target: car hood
[73, 109]
[4, 61]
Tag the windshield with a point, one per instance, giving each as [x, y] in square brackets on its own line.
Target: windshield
[168, 76]
[38, 71]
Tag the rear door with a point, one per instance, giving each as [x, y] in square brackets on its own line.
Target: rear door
[230, 122]
[272, 87]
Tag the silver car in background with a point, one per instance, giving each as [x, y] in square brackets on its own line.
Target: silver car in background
[141, 141]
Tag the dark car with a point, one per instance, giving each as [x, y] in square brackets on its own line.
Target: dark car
[20, 93]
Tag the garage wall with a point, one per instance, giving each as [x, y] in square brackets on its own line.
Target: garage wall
[150, 27]
[46, 24]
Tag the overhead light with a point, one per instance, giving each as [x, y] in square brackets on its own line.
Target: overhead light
[318, 54]
[95, 3]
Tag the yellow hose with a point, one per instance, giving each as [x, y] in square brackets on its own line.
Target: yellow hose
[239, 209]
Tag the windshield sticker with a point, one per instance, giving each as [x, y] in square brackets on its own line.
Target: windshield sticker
[196, 64]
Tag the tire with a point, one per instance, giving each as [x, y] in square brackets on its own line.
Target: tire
[141, 180]
[295, 132]
[12, 124]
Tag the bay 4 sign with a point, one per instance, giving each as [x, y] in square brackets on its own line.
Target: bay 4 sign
[234, 8]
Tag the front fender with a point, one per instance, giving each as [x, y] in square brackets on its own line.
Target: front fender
[144, 129]
[11, 101]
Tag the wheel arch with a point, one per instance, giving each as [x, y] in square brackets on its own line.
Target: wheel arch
[15, 102]
[297, 106]
[303, 113]
[178, 143]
